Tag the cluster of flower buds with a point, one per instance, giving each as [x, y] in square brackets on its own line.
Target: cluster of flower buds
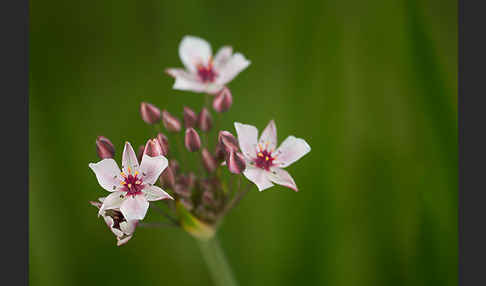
[197, 197]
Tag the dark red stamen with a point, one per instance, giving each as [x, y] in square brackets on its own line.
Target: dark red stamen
[264, 160]
[206, 73]
[132, 185]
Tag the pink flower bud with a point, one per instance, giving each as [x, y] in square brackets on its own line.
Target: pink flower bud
[204, 120]
[150, 114]
[190, 118]
[184, 185]
[223, 100]
[174, 165]
[236, 162]
[228, 141]
[140, 150]
[208, 161]
[192, 140]
[104, 148]
[171, 123]
[219, 153]
[164, 143]
[167, 179]
[153, 148]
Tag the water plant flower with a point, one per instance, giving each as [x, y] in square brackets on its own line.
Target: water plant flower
[265, 163]
[203, 73]
[132, 188]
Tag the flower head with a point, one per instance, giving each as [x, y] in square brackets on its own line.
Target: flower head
[265, 162]
[133, 187]
[123, 229]
[204, 73]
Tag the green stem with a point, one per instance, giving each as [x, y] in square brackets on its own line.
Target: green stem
[216, 262]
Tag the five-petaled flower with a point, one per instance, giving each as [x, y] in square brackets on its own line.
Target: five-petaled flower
[204, 73]
[264, 162]
[123, 229]
[133, 188]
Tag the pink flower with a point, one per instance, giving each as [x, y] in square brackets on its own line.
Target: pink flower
[123, 229]
[132, 189]
[264, 162]
[204, 73]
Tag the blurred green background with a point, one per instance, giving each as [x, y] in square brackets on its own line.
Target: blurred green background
[371, 85]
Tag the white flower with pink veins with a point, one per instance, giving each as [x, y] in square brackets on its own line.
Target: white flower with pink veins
[133, 188]
[264, 163]
[204, 73]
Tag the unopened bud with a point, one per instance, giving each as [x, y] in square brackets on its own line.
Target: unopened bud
[152, 148]
[140, 150]
[167, 179]
[219, 153]
[164, 143]
[174, 165]
[192, 140]
[235, 162]
[104, 148]
[184, 185]
[190, 117]
[228, 141]
[204, 120]
[150, 114]
[208, 161]
[223, 100]
[171, 123]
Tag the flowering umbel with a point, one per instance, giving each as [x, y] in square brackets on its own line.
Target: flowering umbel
[199, 174]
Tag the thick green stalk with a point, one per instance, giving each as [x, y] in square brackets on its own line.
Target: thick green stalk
[216, 261]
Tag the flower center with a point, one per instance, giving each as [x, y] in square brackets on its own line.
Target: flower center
[132, 184]
[206, 73]
[264, 158]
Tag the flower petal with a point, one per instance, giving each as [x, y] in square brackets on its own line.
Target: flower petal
[258, 177]
[291, 150]
[107, 173]
[282, 177]
[186, 81]
[152, 167]
[269, 136]
[247, 138]
[154, 193]
[194, 51]
[110, 222]
[122, 241]
[129, 159]
[128, 227]
[222, 57]
[232, 68]
[189, 85]
[134, 207]
[112, 201]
